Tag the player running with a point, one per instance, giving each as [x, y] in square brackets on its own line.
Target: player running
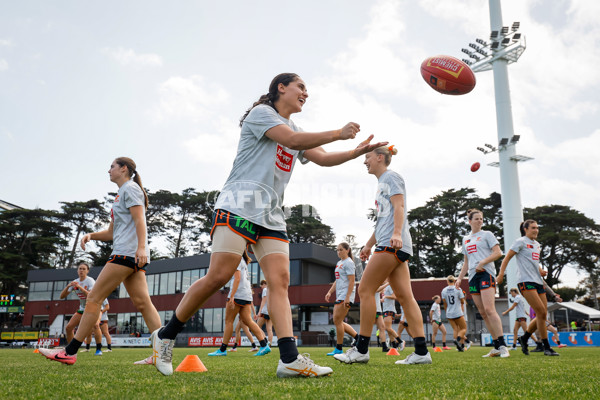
[454, 300]
[521, 320]
[530, 282]
[81, 287]
[389, 314]
[435, 316]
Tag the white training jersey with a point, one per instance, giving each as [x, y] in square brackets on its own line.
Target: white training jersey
[437, 312]
[452, 295]
[265, 310]
[104, 316]
[528, 260]
[244, 289]
[87, 284]
[520, 302]
[390, 183]
[344, 269]
[389, 305]
[378, 301]
[125, 241]
[478, 246]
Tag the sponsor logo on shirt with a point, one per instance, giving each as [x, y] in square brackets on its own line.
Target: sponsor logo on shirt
[478, 239]
[116, 199]
[530, 246]
[467, 241]
[535, 256]
[472, 249]
[284, 159]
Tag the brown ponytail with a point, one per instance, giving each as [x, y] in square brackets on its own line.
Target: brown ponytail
[131, 168]
[346, 246]
[471, 212]
[524, 225]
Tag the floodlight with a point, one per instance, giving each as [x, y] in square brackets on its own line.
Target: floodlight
[505, 41]
[503, 141]
[468, 62]
[481, 41]
[466, 51]
[494, 35]
[515, 26]
[504, 30]
[480, 51]
[516, 37]
[515, 138]
[495, 45]
[489, 145]
[481, 149]
[472, 45]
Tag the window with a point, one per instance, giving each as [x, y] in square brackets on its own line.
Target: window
[178, 282]
[150, 282]
[295, 272]
[218, 315]
[163, 283]
[186, 280]
[208, 318]
[170, 283]
[202, 272]
[40, 291]
[58, 288]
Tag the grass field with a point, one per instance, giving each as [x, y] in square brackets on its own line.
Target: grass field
[573, 375]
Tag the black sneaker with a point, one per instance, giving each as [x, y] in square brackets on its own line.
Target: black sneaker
[550, 352]
[460, 348]
[539, 348]
[385, 349]
[524, 347]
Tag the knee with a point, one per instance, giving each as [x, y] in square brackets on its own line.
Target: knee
[364, 291]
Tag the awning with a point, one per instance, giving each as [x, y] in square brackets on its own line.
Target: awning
[592, 313]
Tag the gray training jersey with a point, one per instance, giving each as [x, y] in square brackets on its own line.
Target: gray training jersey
[125, 242]
[390, 184]
[528, 260]
[389, 304]
[344, 269]
[87, 284]
[437, 312]
[520, 302]
[261, 170]
[244, 290]
[378, 301]
[452, 295]
[265, 310]
[104, 316]
[478, 246]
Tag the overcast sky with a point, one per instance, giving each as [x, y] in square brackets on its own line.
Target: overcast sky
[166, 83]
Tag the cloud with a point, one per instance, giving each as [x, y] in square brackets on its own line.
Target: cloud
[6, 43]
[129, 58]
[189, 98]
[3, 65]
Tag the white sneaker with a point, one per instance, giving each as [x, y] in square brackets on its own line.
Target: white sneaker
[402, 345]
[85, 350]
[504, 353]
[468, 345]
[353, 356]
[414, 358]
[492, 353]
[253, 349]
[108, 351]
[146, 361]
[302, 366]
[162, 353]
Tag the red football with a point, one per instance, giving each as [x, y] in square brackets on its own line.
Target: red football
[448, 75]
[475, 167]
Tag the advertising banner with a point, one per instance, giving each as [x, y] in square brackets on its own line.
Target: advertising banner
[48, 342]
[569, 338]
[126, 341]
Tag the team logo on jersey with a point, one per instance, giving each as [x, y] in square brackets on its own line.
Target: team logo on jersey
[535, 256]
[478, 239]
[467, 241]
[116, 199]
[472, 249]
[530, 246]
[284, 159]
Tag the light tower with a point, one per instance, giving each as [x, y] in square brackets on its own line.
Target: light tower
[505, 47]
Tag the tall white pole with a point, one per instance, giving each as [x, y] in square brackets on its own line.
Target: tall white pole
[512, 210]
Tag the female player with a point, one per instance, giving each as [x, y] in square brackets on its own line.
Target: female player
[454, 300]
[81, 287]
[379, 318]
[402, 325]
[389, 313]
[481, 249]
[249, 211]
[263, 314]
[128, 262]
[104, 325]
[394, 248]
[240, 302]
[530, 282]
[435, 316]
[345, 289]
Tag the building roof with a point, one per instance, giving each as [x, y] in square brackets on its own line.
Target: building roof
[592, 313]
[5, 205]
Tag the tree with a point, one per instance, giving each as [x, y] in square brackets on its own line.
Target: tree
[81, 217]
[304, 225]
[28, 239]
[565, 236]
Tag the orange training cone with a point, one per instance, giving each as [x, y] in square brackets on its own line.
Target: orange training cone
[191, 363]
[36, 351]
[393, 352]
[437, 349]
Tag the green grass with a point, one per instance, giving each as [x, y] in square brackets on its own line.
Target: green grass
[575, 374]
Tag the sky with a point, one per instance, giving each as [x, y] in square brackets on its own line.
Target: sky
[166, 83]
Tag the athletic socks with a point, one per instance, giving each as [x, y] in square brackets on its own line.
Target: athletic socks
[496, 344]
[443, 344]
[235, 345]
[526, 336]
[73, 347]
[338, 346]
[87, 346]
[98, 346]
[223, 347]
[501, 341]
[558, 342]
[253, 345]
[263, 343]
[109, 346]
[546, 344]
[398, 340]
[288, 352]
[420, 346]
[172, 329]
[362, 344]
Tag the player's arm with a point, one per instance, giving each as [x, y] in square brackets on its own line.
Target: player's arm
[351, 282]
[365, 252]
[463, 272]
[445, 304]
[319, 156]
[397, 201]
[137, 214]
[331, 290]
[284, 135]
[504, 264]
[234, 286]
[103, 236]
[510, 309]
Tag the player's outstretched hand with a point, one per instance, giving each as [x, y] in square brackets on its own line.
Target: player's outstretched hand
[366, 146]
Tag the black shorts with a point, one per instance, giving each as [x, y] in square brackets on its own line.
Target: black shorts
[266, 317]
[103, 322]
[241, 303]
[481, 281]
[389, 314]
[400, 255]
[126, 261]
[244, 228]
[439, 323]
[378, 314]
[531, 286]
[522, 319]
[341, 301]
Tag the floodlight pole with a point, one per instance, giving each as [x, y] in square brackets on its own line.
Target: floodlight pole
[512, 210]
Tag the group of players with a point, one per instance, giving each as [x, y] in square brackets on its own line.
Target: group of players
[249, 216]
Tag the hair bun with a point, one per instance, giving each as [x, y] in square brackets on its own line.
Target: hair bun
[393, 150]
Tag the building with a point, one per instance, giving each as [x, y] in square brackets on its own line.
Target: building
[5, 206]
[311, 274]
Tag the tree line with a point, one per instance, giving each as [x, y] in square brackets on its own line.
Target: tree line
[179, 225]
